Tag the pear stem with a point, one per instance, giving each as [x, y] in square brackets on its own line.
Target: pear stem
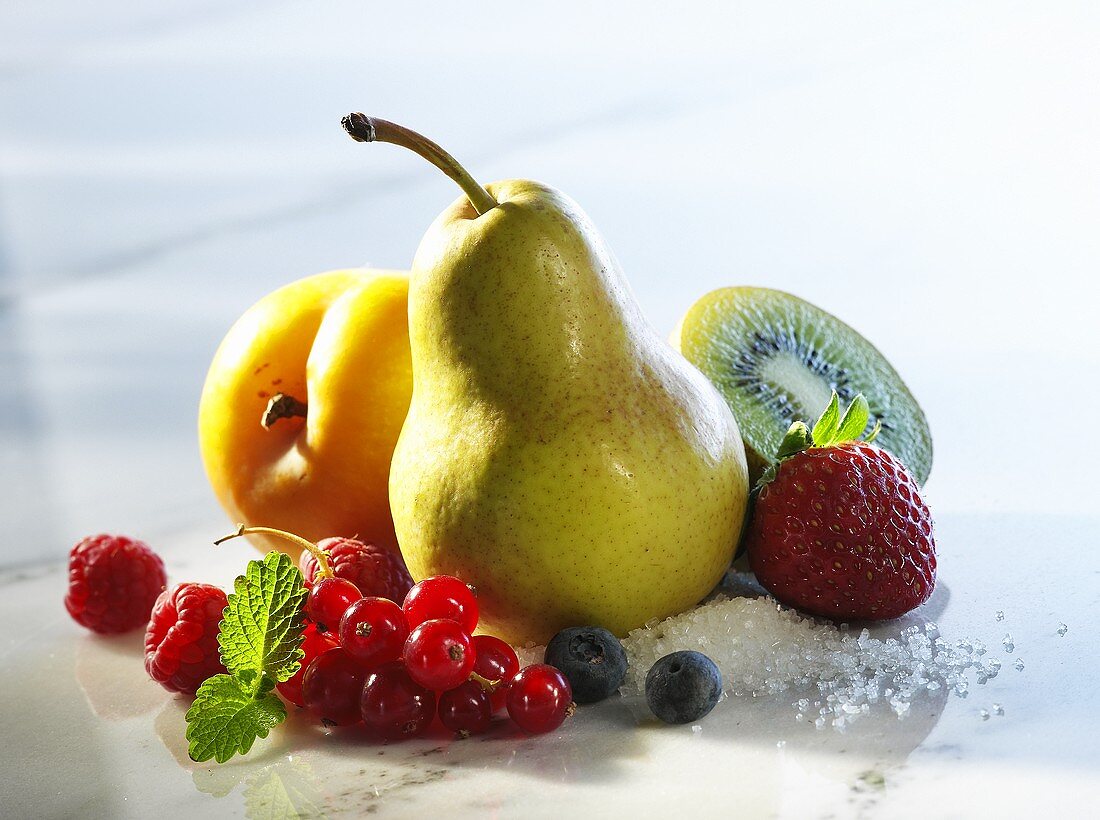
[371, 129]
[324, 569]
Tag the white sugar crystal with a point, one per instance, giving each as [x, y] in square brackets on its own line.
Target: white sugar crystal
[764, 650]
[984, 714]
[1000, 615]
[1007, 642]
[1019, 664]
[998, 710]
[1062, 630]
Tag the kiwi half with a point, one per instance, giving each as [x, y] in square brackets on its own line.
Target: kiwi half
[776, 358]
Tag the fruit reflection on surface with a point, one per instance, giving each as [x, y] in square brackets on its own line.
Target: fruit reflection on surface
[552, 431]
[324, 364]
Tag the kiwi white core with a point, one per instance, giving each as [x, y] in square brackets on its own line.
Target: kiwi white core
[786, 373]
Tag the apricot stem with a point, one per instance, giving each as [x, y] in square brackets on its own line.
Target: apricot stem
[282, 406]
[324, 569]
[362, 128]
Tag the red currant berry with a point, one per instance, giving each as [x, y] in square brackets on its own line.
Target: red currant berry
[374, 631]
[313, 644]
[442, 596]
[328, 600]
[113, 583]
[377, 571]
[539, 698]
[495, 660]
[439, 655]
[466, 710]
[332, 687]
[395, 706]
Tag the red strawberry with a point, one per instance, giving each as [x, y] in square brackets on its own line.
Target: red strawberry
[839, 528]
[376, 571]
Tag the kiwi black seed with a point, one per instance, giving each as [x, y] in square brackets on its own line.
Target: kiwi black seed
[776, 358]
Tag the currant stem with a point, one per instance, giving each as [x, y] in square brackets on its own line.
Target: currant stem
[324, 569]
[486, 684]
[362, 128]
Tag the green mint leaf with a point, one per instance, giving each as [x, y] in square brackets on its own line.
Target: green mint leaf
[229, 713]
[261, 630]
[797, 439]
[824, 432]
[855, 420]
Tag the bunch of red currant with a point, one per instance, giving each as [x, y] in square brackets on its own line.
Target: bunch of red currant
[395, 667]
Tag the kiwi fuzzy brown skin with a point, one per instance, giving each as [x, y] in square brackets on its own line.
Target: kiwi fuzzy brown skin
[731, 333]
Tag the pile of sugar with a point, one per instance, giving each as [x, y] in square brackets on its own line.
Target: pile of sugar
[764, 649]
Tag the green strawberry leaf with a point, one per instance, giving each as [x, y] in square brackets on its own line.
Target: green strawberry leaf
[830, 429]
[874, 431]
[229, 713]
[261, 630]
[824, 432]
[855, 420]
[797, 439]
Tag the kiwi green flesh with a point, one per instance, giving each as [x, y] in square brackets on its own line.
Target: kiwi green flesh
[776, 358]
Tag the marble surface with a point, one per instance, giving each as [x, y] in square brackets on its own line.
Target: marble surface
[89, 734]
[926, 172]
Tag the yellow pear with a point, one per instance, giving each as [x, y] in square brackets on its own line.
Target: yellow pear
[558, 454]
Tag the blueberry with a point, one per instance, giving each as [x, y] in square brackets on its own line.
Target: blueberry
[683, 687]
[591, 658]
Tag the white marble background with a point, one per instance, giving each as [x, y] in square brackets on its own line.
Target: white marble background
[927, 171]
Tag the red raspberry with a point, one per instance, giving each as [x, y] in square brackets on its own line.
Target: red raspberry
[181, 644]
[376, 571]
[113, 582]
[842, 532]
